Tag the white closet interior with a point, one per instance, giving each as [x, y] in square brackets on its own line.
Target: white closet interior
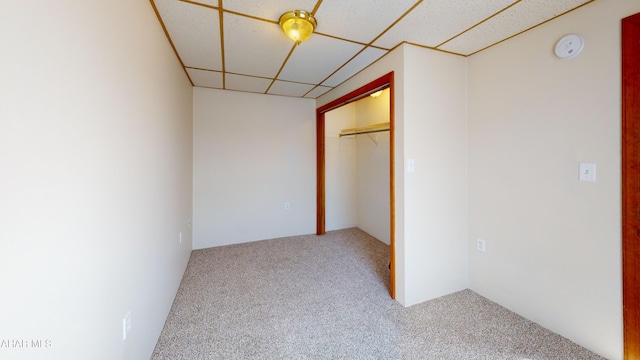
[357, 166]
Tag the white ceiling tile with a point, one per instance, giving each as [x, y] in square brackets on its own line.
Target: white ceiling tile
[315, 59]
[246, 83]
[317, 92]
[195, 32]
[213, 3]
[364, 59]
[270, 10]
[254, 47]
[289, 89]
[204, 78]
[439, 21]
[360, 20]
[518, 18]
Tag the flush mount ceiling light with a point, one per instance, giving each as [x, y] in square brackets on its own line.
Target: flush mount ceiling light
[298, 25]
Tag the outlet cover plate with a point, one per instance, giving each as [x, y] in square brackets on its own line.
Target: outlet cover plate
[126, 325]
[481, 245]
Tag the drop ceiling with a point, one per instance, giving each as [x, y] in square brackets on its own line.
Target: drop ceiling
[238, 44]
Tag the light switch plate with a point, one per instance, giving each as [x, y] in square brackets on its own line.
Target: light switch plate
[411, 166]
[481, 245]
[588, 172]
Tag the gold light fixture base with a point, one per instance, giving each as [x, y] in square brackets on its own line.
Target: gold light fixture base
[298, 25]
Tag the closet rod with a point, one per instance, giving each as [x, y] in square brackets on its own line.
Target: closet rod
[365, 129]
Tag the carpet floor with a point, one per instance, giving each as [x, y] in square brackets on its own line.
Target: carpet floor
[326, 297]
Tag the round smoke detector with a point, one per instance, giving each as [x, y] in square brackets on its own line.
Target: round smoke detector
[569, 46]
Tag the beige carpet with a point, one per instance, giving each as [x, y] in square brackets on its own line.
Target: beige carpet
[326, 297]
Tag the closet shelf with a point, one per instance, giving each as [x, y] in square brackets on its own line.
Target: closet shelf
[366, 129]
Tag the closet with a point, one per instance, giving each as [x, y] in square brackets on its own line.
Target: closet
[357, 166]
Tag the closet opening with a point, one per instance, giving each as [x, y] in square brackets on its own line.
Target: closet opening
[373, 132]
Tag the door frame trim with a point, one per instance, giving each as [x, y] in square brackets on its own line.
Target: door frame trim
[630, 83]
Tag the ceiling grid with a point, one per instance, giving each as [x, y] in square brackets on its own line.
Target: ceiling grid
[238, 44]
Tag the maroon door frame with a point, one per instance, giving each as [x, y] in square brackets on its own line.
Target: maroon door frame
[631, 185]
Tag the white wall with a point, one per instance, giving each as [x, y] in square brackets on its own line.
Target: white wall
[553, 243]
[340, 169]
[96, 168]
[252, 153]
[435, 128]
[373, 168]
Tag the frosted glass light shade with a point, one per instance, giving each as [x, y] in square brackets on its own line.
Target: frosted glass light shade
[298, 25]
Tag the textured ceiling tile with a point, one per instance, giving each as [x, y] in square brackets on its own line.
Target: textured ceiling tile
[315, 59]
[270, 10]
[364, 59]
[213, 3]
[289, 89]
[204, 78]
[246, 83]
[317, 92]
[195, 32]
[518, 18]
[360, 20]
[434, 22]
[254, 47]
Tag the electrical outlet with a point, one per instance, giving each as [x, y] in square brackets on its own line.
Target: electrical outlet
[180, 237]
[287, 206]
[481, 245]
[126, 325]
[189, 222]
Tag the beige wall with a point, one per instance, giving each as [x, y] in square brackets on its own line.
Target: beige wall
[435, 199]
[373, 151]
[248, 161]
[340, 169]
[95, 156]
[553, 242]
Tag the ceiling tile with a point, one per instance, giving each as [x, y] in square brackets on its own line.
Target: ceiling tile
[364, 59]
[213, 3]
[254, 47]
[439, 21]
[518, 18]
[315, 59]
[317, 92]
[195, 32]
[359, 20]
[270, 10]
[289, 88]
[246, 83]
[204, 78]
